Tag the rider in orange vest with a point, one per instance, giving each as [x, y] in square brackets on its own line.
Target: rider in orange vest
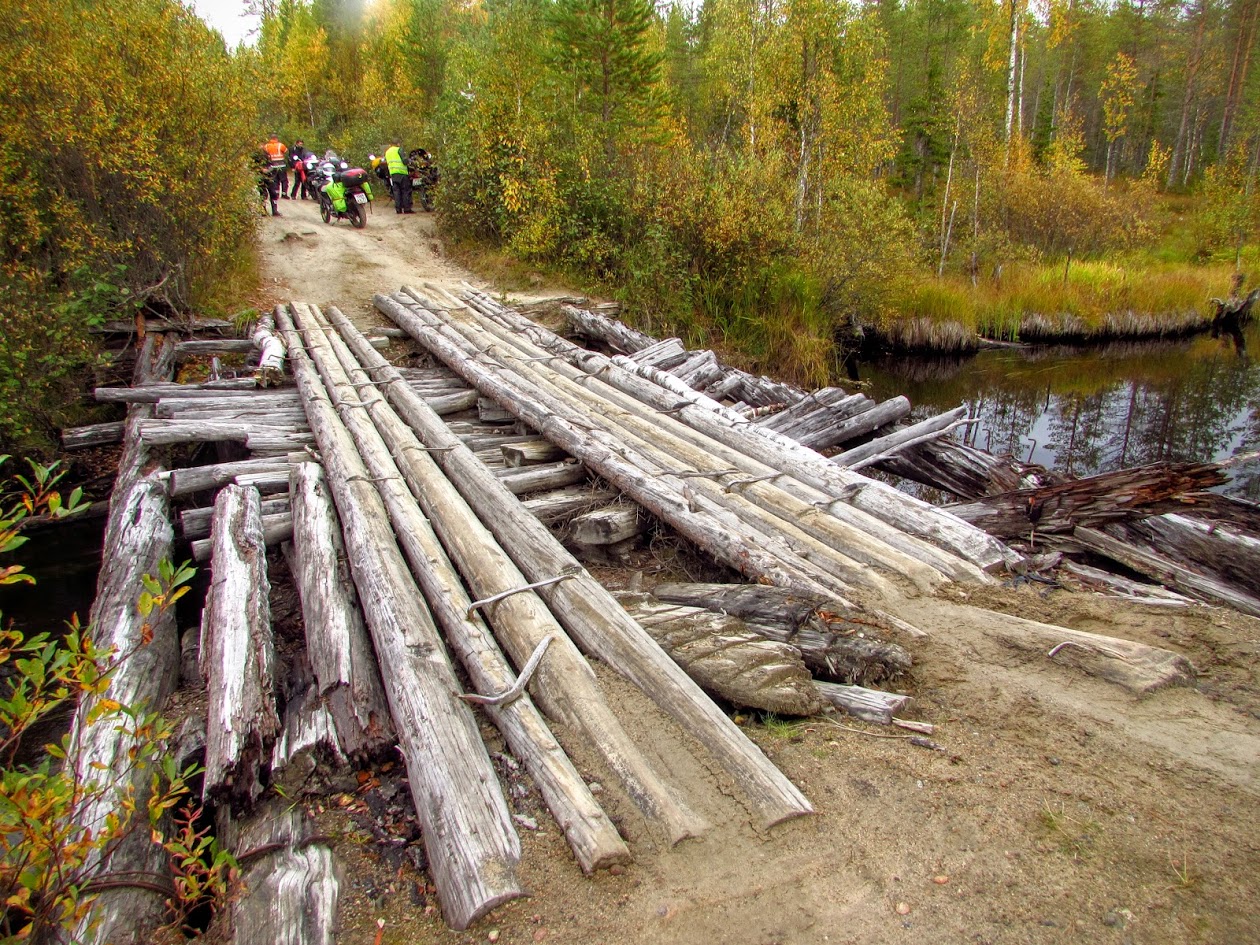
[278, 154]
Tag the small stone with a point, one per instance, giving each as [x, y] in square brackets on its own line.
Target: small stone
[903, 908]
[540, 935]
[493, 935]
[940, 880]
[525, 821]
[1111, 919]
[595, 787]
[616, 870]
[1054, 761]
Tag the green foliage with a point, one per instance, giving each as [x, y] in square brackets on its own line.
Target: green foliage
[49, 855]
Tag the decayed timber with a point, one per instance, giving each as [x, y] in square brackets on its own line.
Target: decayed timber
[531, 453]
[727, 659]
[337, 640]
[1089, 502]
[471, 845]
[901, 438]
[165, 432]
[907, 515]
[237, 651]
[220, 346]
[541, 478]
[566, 685]
[967, 472]
[1094, 579]
[1216, 549]
[291, 882]
[308, 740]
[1167, 571]
[152, 393]
[869, 705]
[585, 607]
[835, 643]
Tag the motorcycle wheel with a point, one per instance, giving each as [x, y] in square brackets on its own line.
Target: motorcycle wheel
[325, 209]
[358, 219]
[426, 199]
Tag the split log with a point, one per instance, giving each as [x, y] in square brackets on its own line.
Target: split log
[238, 653]
[541, 478]
[531, 452]
[1088, 502]
[94, 434]
[1216, 549]
[471, 845]
[291, 882]
[1167, 571]
[308, 741]
[556, 507]
[567, 687]
[586, 608]
[833, 645]
[869, 705]
[608, 526]
[967, 472]
[1094, 579]
[730, 661]
[883, 447]
[337, 641]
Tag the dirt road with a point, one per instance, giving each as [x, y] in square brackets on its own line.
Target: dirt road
[1058, 809]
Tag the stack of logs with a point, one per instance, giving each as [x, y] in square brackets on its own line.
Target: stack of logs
[396, 494]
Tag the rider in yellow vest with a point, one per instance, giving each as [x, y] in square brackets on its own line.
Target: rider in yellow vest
[399, 177]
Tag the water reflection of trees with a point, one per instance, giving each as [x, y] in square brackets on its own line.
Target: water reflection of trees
[1091, 412]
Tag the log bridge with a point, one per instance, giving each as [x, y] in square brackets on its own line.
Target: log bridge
[437, 524]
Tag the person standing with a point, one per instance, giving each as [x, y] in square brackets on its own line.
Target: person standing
[268, 185]
[278, 155]
[399, 178]
[298, 158]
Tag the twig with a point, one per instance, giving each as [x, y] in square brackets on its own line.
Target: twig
[514, 691]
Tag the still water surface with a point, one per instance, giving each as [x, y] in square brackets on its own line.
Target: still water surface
[1086, 411]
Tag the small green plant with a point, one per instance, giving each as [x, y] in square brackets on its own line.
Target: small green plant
[1074, 837]
[780, 727]
[1184, 878]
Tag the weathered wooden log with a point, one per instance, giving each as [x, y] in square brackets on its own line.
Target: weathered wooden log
[585, 607]
[490, 412]
[1089, 502]
[162, 432]
[817, 411]
[610, 525]
[276, 529]
[541, 478]
[730, 661]
[185, 323]
[152, 393]
[776, 521]
[200, 478]
[566, 687]
[900, 438]
[616, 335]
[195, 523]
[238, 652]
[308, 740]
[268, 483]
[138, 537]
[869, 705]
[967, 472]
[94, 434]
[879, 415]
[270, 347]
[1216, 549]
[531, 452]
[556, 507]
[1095, 579]
[337, 640]
[835, 644]
[877, 499]
[291, 882]
[472, 848]
[1166, 571]
[221, 346]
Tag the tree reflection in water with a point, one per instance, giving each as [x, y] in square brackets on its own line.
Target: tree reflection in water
[1089, 410]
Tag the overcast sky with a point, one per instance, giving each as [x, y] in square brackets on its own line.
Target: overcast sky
[228, 17]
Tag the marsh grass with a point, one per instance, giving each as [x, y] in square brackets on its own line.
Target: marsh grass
[1078, 299]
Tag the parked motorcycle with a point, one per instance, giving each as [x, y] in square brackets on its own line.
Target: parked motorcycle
[424, 176]
[344, 191]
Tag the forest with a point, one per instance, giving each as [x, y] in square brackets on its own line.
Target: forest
[776, 177]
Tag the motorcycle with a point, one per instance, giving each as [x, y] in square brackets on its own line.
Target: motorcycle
[424, 176]
[344, 192]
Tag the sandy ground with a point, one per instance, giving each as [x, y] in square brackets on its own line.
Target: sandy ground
[1055, 807]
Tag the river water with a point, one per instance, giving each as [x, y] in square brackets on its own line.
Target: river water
[1089, 410]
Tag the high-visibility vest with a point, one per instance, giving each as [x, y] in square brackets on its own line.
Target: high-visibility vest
[276, 152]
[393, 157]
